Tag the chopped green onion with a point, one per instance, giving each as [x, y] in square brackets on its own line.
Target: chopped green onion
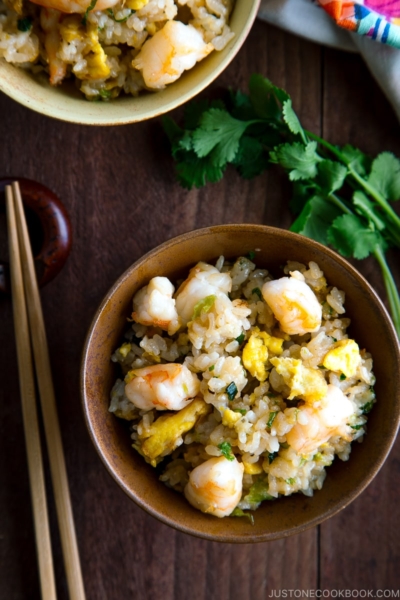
[203, 306]
[257, 291]
[226, 450]
[302, 462]
[291, 480]
[231, 390]
[272, 456]
[105, 94]
[366, 408]
[334, 339]
[89, 8]
[271, 418]
[242, 411]
[342, 377]
[251, 255]
[123, 20]
[356, 427]
[240, 338]
[24, 24]
[258, 492]
[211, 368]
[238, 512]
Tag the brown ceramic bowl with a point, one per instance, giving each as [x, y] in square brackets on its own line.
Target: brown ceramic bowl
[65, 102]
[371, 326]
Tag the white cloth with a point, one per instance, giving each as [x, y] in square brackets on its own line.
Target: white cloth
[308, 20]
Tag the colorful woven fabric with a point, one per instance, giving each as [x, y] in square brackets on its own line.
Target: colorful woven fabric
[377, 19]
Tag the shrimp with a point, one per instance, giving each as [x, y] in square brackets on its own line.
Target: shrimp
[75, 6]
[153, 305]
[173, 49]
[50, 23]
[204, 280]
[164, 387]
[294, 304]
[215, 486]
[316, 424]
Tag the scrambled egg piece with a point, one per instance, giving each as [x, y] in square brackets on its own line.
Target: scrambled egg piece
[136, 4]
[308, 384]
[252, 468]
[71, 29]
[163, 436]
[256, 351]
[230, 417]
[344, 358]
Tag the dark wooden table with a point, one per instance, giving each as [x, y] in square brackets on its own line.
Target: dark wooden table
[119, 188]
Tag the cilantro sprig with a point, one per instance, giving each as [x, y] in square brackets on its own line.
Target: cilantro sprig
[341, 197]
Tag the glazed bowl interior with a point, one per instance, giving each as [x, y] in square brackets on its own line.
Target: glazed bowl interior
[370, 326]
[65, 102]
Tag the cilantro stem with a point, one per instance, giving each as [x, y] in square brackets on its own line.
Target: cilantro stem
[391, 288]
[365, 184]
[340, 203]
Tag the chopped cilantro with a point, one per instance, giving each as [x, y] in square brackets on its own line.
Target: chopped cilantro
[231, 390]
[238, 512]
[240, 338]
[321, 367]
[203, 306]
[271, 419]
[257, 291]
[366, 408]
[302, 462]
[251, 255]
[291, 480]
[356, 427]
[271, 395]
[226, 450]
[211, 368]
[342, 377]
[24, 24]
[334, 339]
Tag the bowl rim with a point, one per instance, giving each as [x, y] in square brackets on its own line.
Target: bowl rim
[83, 115]
[233, 538]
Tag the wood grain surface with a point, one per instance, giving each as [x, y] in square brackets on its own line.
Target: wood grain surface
[119, 188]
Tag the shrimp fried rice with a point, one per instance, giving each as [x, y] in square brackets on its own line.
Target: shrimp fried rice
[110, 47]
[241, 387]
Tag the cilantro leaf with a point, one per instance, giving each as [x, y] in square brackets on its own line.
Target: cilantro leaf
[315, 219]
[194, 111]
[359, 161]
[266, 98]
[351, 238]
[292, 120]
[331, 176]
[258, 492]
[251, 158]
[302, 192]
[301, 160]
[242, 107]
[219, 133]
[385, 175]
[195, 171]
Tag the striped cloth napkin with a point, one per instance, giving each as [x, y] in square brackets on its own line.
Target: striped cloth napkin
[375, 21]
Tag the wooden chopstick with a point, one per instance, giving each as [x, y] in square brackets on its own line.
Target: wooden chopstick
[29, 413]
[49, 410]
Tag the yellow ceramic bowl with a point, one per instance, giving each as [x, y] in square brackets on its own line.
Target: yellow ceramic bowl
[371, 327]
[68, 104]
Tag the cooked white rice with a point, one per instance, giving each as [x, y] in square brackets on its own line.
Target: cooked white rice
[212, 347]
